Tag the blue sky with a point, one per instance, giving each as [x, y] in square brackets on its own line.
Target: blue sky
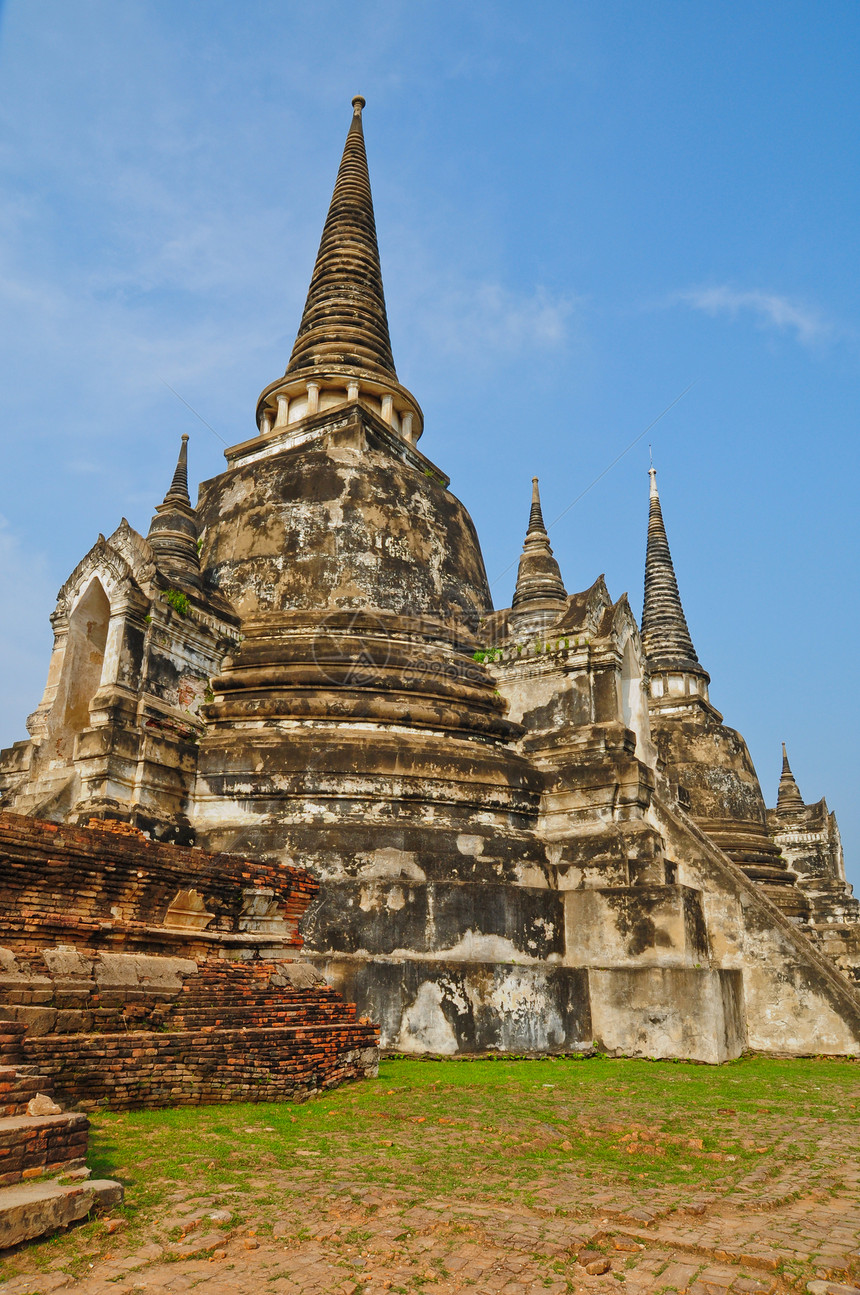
[582, 209]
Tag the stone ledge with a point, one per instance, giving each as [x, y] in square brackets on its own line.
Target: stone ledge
[29, 1210]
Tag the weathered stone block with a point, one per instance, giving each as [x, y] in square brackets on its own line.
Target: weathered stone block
[668, 1012]
[448, 1006]
[655, 925]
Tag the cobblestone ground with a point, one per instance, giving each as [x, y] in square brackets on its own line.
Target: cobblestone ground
[352, 1240]
[787, 1219]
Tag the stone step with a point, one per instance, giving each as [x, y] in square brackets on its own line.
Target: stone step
[12, 1125]
[32, 1209]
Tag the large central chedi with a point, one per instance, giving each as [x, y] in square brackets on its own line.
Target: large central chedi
[531, 827]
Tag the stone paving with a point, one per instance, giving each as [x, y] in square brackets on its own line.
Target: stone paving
[352, 1240]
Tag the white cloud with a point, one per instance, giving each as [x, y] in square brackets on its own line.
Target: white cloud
[770, 310]
[488, 323]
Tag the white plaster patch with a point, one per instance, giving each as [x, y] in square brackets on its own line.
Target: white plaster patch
[423, 1026]
[395, 899]
[143, 969]
[476, 947]
[8, 965]
[235, 494]
[528, 1012]
[530, 875]
[370, 898]
[65, 960]
[473, 845]
[391, 864]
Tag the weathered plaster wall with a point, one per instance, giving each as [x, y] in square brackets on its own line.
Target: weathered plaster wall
[796, 1001]
[668, 1012]
[469, 1004]
[342, 522]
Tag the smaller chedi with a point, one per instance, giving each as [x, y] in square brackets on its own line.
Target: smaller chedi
[530, 826]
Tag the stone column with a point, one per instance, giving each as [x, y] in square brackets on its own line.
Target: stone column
[313, 397]
[283, 410]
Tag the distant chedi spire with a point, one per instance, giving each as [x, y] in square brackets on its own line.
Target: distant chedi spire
[788, 799]
[173, 531]
[665, 635]
[540, 591]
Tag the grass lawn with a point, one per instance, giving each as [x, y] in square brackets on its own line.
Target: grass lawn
[505, 1131]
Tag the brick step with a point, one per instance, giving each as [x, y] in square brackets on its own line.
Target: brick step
[11, 1036]
[197, 1009]
[263, 1000]
[32, 1146]
[57, 1043]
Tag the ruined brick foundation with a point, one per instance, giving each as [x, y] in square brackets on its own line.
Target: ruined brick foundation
[143, 975]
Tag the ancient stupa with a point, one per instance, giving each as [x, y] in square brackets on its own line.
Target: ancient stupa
[532, 829]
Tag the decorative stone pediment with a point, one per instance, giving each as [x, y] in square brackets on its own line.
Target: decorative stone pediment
[188, 912]
[136, 551]
[107, 564]
[624, 629]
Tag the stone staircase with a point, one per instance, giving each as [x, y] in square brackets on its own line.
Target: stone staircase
[44, 1181]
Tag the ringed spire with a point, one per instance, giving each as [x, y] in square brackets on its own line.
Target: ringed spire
[788, 799]
[345, 321]
[342, 352]
[539, 582]
[173, 531]
[665, 635]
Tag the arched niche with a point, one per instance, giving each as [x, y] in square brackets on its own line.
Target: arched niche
[83, 662]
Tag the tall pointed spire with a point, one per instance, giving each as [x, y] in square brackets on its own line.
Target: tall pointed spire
[173, 530]
[344, 321]
[342, 351]
[536, 514]
[789, 799]
[178, 492]
[539, 582]
[665, 635]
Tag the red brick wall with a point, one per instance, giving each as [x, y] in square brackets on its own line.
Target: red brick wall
[65, 884]
[227, 1031]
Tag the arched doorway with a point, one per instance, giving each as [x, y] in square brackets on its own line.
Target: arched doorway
[83, 660]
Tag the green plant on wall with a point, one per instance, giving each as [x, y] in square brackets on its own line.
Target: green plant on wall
[488, 654]
[178, 601]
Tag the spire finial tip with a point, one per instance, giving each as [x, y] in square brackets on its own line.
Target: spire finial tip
[358, 103]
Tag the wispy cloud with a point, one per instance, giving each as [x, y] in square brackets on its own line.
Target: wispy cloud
[490, 315]
[769, 309]
[488, 323]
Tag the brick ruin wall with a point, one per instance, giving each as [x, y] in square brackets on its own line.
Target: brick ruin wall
[152, 975]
